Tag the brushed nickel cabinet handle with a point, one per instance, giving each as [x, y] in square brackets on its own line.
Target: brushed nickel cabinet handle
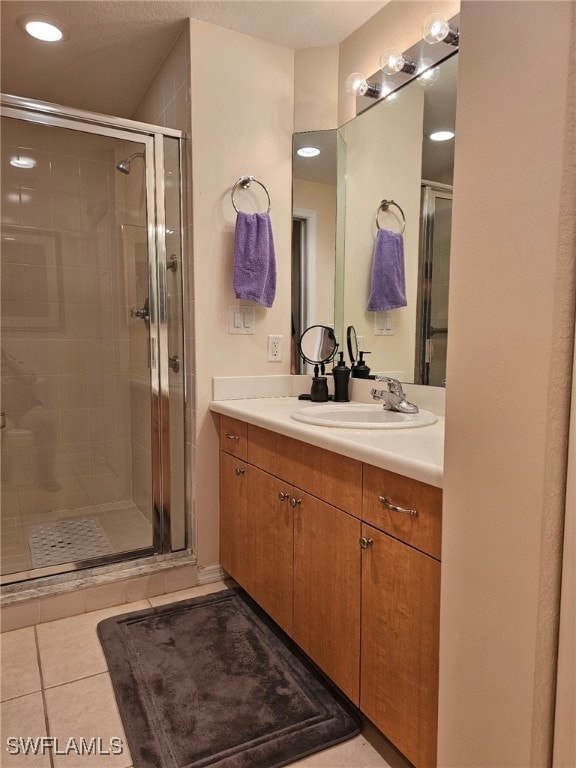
[395, 508]
[239, 471]
[283, 496]
[365, 543]
[294, 502]
[230, 436]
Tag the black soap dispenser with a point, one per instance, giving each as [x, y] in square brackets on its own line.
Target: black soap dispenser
[341, 374]
[319, 389]
[361, 370]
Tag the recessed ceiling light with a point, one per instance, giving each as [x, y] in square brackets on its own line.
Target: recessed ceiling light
[42, 28]
[22, 162]
[308, 151]
[442, 136]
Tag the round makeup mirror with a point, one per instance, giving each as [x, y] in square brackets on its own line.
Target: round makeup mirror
[352, 343]
[318, 345]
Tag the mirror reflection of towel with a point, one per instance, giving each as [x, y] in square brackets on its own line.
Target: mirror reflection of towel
[254, 259]
[388, 286]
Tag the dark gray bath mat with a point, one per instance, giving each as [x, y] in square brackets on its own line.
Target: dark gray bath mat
[212, 682]
[67, 541]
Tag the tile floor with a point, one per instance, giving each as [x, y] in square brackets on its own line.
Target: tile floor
[54, 682]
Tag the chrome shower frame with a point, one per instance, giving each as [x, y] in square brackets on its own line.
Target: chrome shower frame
[425, 332]
[152, 136]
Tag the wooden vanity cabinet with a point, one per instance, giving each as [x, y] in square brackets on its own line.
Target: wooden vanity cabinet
[233, 437]
[256, 535]
[400, 644]
[236, 527]
[401, 610]
[329, 476]
[272, 563]
[328, 547]
[326, 588]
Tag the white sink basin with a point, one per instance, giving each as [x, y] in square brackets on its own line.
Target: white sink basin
[361, 416]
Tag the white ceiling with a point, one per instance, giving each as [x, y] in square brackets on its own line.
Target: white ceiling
[115, 46]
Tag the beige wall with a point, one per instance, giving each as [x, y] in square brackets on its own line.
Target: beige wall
[242, 121]
[321, 198]
[509, 365]
[316, 88]
[564, 732]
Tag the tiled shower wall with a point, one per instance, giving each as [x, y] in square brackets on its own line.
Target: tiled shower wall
[65, 383]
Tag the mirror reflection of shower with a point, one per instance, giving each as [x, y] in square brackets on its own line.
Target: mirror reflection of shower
[124, 165]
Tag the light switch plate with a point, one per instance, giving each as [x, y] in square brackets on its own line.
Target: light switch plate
[383, 324]
[241, 320]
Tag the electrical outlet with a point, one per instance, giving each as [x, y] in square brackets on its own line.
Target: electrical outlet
[274, 349]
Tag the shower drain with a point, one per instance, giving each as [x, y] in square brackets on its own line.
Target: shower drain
[67, 541]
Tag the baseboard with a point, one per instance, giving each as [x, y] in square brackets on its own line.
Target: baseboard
[210, 573]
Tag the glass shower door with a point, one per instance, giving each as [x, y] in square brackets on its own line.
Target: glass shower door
[81, 348]
[436, 223]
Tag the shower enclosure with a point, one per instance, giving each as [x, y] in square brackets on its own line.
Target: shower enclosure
[92, 368]
[434, 274]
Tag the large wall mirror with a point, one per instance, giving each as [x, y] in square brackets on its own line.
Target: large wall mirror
[385, 153]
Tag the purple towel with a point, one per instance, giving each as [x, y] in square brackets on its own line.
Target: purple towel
[254, 259]
[388, 289]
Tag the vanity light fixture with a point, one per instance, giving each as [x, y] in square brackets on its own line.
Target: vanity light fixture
[437, 30]
[42, 28]
[22, 162]
[357, 85]
[442, 135]
[393, 61]
[308, 151]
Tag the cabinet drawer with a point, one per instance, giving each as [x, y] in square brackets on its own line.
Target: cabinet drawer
[233, 436]
[329, 476]
[406, 509]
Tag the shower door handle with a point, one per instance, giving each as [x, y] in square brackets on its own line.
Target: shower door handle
[174, 363]
[141, 314]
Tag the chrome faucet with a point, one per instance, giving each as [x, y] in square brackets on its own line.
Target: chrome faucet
[393, 396]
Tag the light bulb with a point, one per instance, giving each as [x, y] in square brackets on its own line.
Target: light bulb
[43, 30]
[356, 84]
[393, 61]
[436, 29]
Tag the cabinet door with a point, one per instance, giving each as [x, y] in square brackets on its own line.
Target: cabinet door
[400, 638]
[236, 532]
[271, 516]
[327, 590]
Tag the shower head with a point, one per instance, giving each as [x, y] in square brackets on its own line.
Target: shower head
[124, 165]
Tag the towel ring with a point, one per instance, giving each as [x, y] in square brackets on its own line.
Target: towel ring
[244, 182]
[384, 205]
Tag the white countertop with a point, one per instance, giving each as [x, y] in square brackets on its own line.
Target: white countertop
[416, 453]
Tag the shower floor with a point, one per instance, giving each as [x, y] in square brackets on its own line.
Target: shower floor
[113, 528]
[67, 541]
